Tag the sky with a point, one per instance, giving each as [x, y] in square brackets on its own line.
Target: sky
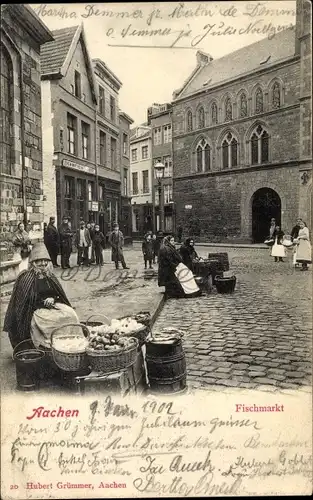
[163, 38]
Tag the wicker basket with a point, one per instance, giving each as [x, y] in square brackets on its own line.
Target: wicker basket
[109, 361]
[141, 334]
[69, 361]
[90, 324]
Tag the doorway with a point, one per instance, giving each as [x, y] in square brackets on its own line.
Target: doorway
[266, 204]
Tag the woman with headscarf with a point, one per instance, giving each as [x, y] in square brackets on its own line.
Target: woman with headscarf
[22, 244]
[177, 279]
[188, 253]
[303, 249]
[38, 303]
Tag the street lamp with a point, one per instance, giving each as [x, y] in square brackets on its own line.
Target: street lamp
[159, 173]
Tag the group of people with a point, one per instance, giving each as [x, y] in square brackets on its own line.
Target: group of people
[88, 239]
[300, 238]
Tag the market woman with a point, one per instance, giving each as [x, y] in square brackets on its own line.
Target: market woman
[22, 244]
[173, 274]
[188, 253]
[303, 249]
[38, 303]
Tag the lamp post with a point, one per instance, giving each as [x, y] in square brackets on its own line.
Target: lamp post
[159, 173]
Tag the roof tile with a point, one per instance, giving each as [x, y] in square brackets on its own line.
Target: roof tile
[53, 54]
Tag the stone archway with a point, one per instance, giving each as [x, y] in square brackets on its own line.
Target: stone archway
[266, 204]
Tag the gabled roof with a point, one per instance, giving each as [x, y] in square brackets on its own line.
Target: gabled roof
[126, 117]
[32, 23]
[262, 54]
[135, 138]
[56, 56]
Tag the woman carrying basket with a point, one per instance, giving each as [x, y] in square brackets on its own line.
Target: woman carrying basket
[38, 303]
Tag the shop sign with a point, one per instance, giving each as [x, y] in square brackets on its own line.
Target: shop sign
[94, 206]
[77, 166]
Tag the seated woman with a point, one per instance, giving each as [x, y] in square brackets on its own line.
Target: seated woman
[188, 253]
[173, 274]
[38, 303]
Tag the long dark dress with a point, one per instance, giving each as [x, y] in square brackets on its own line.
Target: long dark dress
[168, 260]
[188, 255]
[25, 299]
[52, 242]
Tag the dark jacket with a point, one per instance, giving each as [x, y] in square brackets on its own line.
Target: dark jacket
[98, 239]
[295, 232]
[52, 236]
[188, 254]
[279, 235]
[169, 258]
[66, 235]
[148, 249]
[116, 240]
[87, 237]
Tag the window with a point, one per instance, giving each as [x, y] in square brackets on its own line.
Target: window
[101, 101]
[125, 183]
[77, 85]
[7, 110]
[125, 144]
[228, 110]
[259, 146]
[168, 171]
[113, 154]
[103, 150]
[90, 191]
[81, 196]
[112, 108]
[259, 101]
[168, 194]
[276, 101]
[201, 118]
[134, 154]
[85, 140]
[145, 181]
[230, 151]
[157, 136]
[167, 133]
[68, 193]
[243, 105]
[135, 182]
[72, 90]
[144, 152]
[214, 113]
[189, 121]
[71, 134]
[203, 155]
[101, 198]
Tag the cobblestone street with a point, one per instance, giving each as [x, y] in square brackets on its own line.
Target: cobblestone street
[259, 337]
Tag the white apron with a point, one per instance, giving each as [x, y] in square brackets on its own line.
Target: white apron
[278, 250]
[303, 248]
[45, 320]
[186, 279]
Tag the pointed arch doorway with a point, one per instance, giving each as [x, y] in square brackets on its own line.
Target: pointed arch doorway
[266, 204]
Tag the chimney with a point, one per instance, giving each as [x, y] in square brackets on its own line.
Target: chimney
[203, 58]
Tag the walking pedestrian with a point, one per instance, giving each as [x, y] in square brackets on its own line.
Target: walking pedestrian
[303, 248]
[66, 235]
[98, 245]
[53, 241]
[83, 243]
[148, 250]
[22, 243]
[278, 249]
[116, 240]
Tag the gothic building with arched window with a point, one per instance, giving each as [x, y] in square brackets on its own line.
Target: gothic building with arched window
[253, 159]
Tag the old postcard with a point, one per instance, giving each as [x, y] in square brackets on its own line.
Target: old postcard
[156, 249]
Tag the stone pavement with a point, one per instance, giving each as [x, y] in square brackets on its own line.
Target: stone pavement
[260, 337]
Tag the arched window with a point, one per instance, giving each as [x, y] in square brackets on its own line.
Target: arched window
[276, 100]
[6, 107]
[214, 113]
[201, 119]
[259, 101]
[189, 121]
[203, 156]
[229, 151]
[259, 146]
[228, 110]
[243, 105]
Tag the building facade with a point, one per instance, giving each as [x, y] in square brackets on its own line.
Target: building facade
[160, 119]
[69, 110]
[141, 180]
[126, 212]
[22, 34]
[237, 125]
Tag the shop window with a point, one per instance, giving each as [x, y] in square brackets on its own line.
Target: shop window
[68, 193]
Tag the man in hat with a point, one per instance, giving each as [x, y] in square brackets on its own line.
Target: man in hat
[83, 242]
[38, 302]
[116, 240]
[66, 235]
[52, 241]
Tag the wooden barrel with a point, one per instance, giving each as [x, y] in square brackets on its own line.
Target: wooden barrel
[222, 258]
[166, 366]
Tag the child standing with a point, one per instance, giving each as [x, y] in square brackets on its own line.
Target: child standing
[148, 250]
[278, 249]
[98, 245]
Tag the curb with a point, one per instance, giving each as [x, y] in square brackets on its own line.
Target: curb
[257, 246]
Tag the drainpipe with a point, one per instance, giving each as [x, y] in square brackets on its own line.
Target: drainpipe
[96, 167]
[172, 156]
